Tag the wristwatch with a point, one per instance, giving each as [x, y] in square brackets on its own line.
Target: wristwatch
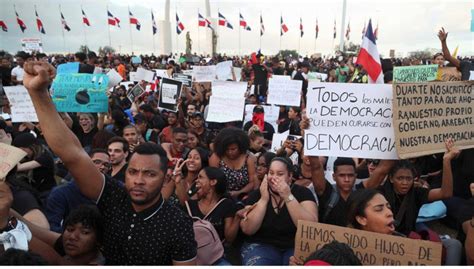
[12, 222]
[290, 198]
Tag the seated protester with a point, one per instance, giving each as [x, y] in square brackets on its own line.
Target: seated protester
[130, 133]
[38, 165]
[153, 118]
[167, 133]
[256, 141]
[231, 156]
[118, 150]
[334, 253]
[194, 141]
[196, 124]
[148, 135]
[270, 221]
[65, 198]
[178, 146]
[291, 123]
[85, 129]
[263, 163]
[213, 205]
[14, 256]
[258, 118]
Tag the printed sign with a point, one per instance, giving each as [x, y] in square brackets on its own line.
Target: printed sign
[417, 73]
[21, 105]
[80, 93]
[426, 114]
[135, 92]
[225, 109]
[204, 73]
[284, 92]
[350, 120]
[31, 45]
[170, 92]
[9, 157]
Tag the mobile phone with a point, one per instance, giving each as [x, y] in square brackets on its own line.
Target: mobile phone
[192, 190]
[292, 138]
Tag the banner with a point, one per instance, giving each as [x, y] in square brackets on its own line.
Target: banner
[9, 157]
[371, 248]
[135, 92]
[284, 92]
[350, 120]
[225, 109]
[417, 73]
[170, 92]
[22, 109]
[31, 45]
[426, 114]
[80, 93]
[224, 71]
[204, 73]
[229, 89]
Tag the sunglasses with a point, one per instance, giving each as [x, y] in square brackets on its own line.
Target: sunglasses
[373, 161]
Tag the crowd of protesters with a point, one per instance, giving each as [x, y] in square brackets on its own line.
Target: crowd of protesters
[137, 184]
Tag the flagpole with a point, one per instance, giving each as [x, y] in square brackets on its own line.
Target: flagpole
[110, 41]
[152, 33]
[64, 39]
[199, 34]
[239, 31]
[85, 34]
[299, 40]
[281, 17]
[260, 47]
[176, 13]
[130, 24]
[343, 22]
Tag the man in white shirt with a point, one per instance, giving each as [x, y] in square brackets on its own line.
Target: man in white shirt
[17, 72]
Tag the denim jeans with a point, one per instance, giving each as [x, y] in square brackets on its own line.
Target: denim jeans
[264, 254]
[222, 262]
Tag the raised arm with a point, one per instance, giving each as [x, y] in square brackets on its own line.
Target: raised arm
[317, 175]
[446, 190]
[38, 75]
[443, 35]
[379, 174]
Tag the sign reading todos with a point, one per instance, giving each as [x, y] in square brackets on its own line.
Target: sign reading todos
[350, 120]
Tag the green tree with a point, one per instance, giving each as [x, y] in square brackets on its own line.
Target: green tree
[105, 50]
[286, 53]
[84, 49]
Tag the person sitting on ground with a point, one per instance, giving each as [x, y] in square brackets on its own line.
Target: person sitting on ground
[334, 253]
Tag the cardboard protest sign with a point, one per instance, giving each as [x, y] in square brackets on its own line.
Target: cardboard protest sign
[204, 73]
[170, 92]
[284, 92]
[187, 80]
[114, 78]
[68, 68]
[448, 74]
[224, 71]
[426, 114]
[350, 120]
[146, 75]
[22, 109]
[416, 73]
[9, 157]
[229, 88]
[371, 248]
[31, 45]
[135, 92]
[225, 109]
[271, 114]
[80, 93]
[317, 76]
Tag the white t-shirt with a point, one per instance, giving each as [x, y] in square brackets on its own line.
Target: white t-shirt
[18, 72]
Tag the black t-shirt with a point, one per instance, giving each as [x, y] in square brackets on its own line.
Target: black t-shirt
[120, 176]
[5, 76]
[268, 129]
[226, 209]
[337, 215]
[23, 200]
[278, 229]
[463, 173]
[260, 73]
[84, 138]
[466, 68]
[43, 177]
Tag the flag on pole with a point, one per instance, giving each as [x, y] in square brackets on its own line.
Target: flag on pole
[363, 31]
[20, 22]
[179, 25]
[203, 22]
[334, 29]
[39, 23]
[348, 30]
[376, 32]
[301, 27]
[134, 20]
[317, 29]
[243, 23]
[114, 21]
[64, 23]
[262, 27]
[85, 20]
[455, 53]
[224, 22]
[369, 57]
[153, 23]
[4, 26]
[283, 28]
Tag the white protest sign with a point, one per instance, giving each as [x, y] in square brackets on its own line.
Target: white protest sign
[278, 140]
[146, 75]
[133, 76]
[225, 109]
[114, 78]
[238, 73]
[471, 76]
[187, 72]
[271, 114]
[9, 157]
[31, 45]
[281, 77]
[224, 70]
[317, 76]
[229, 88]
[350, 120]
[204, 73]
[162, 73]
[284, 92]
[98, 70]
[169, 93]
[21, 106]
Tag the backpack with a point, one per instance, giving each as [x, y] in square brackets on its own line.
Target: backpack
[333, 199]
[209, 245]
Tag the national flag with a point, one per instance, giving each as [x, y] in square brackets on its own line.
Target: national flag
[376, 32]
[334, 29]
[134, 20]
[243, 23]
[203, 22]
[262, 27]
[113, 20]
[20, 22]
[224, 22]
[64, 23]
[39, 23]
[85, 20]
[317, 28]
[301, 27]
[455, 53]
[179, 25]
[153, 24]
[369, 57]
[283, 28]
[348, 30]
[4, 26]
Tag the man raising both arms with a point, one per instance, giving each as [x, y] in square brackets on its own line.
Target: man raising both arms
[142, 228]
